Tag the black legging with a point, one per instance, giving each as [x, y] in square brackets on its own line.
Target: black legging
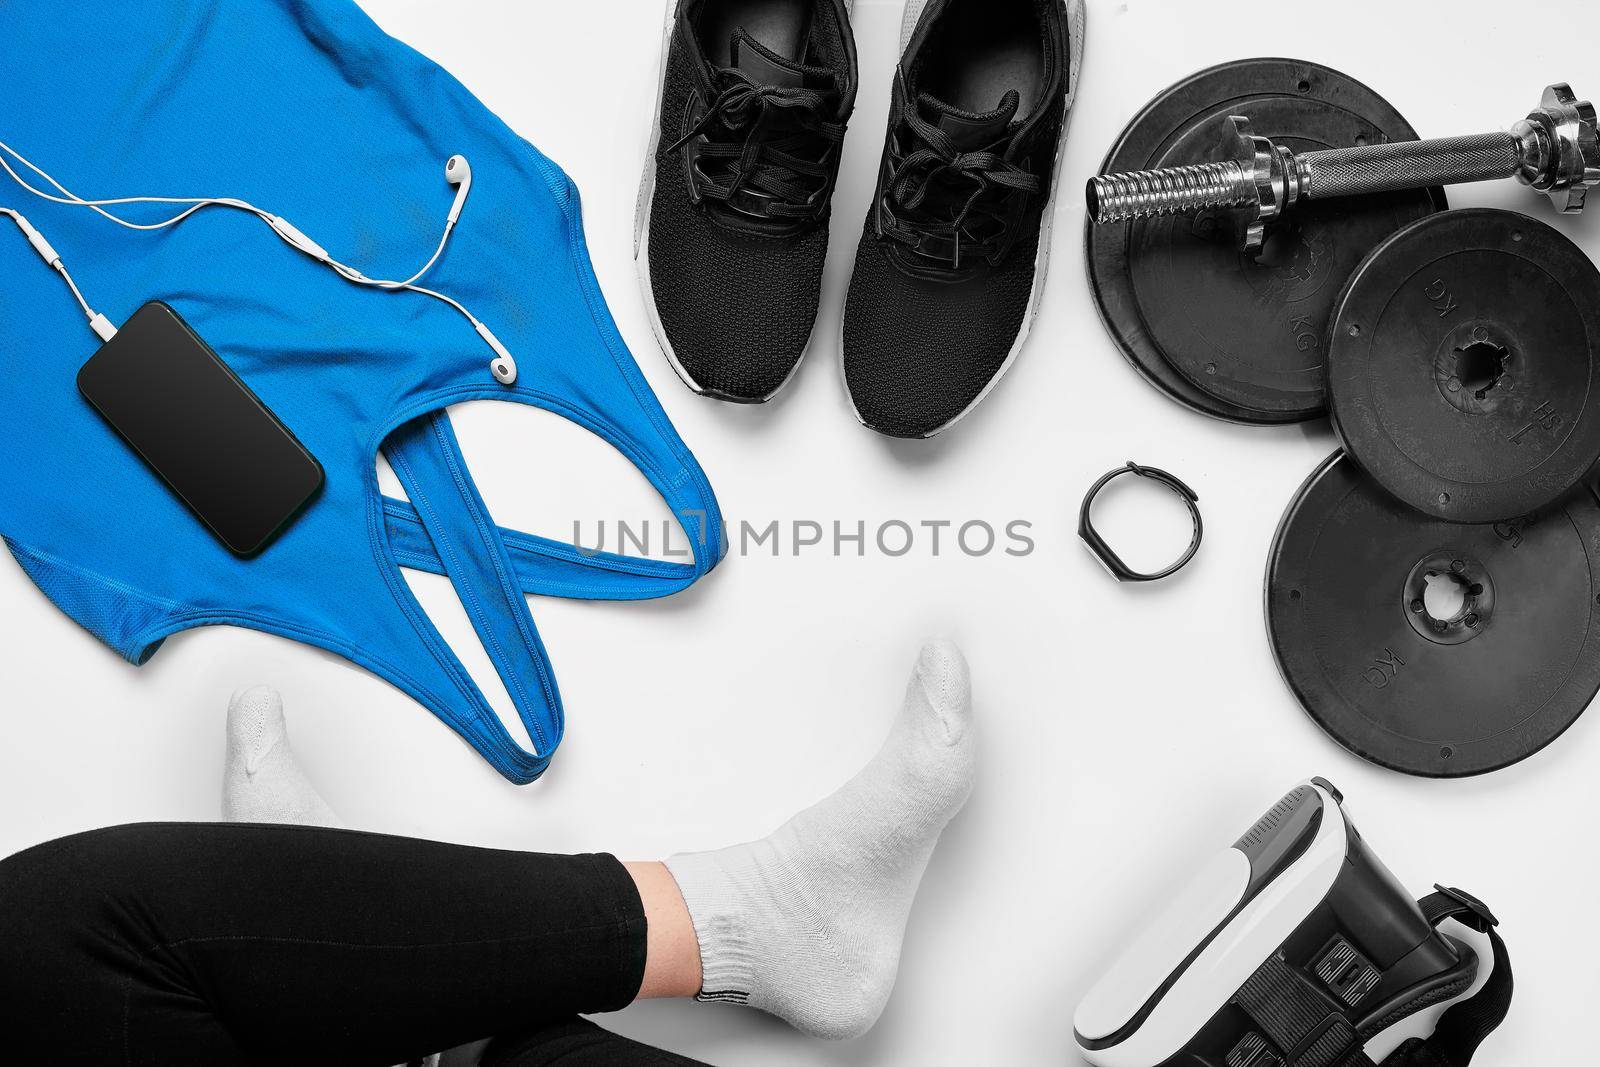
[216, 944]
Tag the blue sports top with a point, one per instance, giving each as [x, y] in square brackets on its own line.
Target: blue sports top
[305, 108]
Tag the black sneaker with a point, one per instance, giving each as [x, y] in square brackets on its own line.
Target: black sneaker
[952, 262]
[732, 224]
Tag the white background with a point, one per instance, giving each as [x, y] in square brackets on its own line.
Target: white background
[1126, 732]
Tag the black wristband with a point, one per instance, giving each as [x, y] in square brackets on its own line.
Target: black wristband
[1113, 563]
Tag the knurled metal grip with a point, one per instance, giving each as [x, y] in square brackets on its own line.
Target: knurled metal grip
[1555, 150]
[1384, 168]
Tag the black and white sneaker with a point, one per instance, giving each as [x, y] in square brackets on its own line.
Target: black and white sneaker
[732, 223]
[952, 262]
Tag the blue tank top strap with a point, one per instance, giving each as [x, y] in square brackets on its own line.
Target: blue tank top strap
[547, 567]
[428, 461]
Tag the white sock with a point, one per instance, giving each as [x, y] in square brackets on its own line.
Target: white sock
[261, 781]
[807, 923]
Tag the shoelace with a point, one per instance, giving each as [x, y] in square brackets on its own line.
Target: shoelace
[767, 127]
[939, 168]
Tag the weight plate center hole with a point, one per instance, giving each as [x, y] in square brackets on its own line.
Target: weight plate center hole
[1480, 367]
[1444, 597]
[1449, 598]
[1475, 367]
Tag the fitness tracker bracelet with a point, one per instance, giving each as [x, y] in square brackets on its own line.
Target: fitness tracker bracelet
[1097, 544]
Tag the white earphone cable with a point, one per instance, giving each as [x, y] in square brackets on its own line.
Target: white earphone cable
[197, 203]
[97, 322]
[503, 368]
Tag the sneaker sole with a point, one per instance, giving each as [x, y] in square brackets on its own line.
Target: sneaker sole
[641, 237]
[1076, 23]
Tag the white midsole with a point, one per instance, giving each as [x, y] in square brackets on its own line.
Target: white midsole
[641, 212]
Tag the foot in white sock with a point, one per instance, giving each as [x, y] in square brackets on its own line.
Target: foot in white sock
[261, 781]
[807, 923]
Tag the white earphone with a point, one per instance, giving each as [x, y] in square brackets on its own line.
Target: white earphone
[457, 171]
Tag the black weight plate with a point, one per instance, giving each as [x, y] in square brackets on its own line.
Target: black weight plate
[1483, 687]
[1214, 329]
[1464, 365]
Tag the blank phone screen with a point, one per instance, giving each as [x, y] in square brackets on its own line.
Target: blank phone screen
[200, 428]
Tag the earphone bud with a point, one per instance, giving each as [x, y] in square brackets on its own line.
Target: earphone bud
[458, 172]
[504, 368]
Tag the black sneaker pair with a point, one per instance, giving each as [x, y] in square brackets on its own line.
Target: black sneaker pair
[732, 225]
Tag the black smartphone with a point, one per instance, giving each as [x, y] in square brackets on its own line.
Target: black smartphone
[212, 440]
